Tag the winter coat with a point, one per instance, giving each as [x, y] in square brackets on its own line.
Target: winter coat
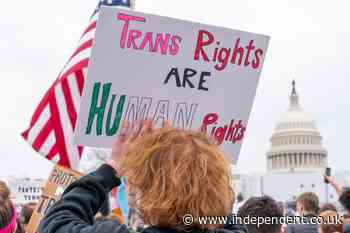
[347, 228]
[75, 211]
[302, 228]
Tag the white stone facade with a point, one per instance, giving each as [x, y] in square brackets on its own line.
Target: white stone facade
[296, 144]
[296, 161]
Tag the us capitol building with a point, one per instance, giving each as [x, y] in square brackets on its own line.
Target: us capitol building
[296, 144]
[296, 160]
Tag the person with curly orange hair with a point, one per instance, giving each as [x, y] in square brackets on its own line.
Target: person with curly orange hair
[173, 174]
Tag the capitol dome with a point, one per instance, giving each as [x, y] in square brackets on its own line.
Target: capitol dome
[296, 144]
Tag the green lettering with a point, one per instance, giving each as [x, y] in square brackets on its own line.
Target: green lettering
[98, 111]
[110, 131]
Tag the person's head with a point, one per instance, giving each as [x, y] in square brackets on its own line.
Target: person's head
[27, 211]
[328, 206]
[20, 226]
[346, 218]
[7, 211]
[307, 203]
[174, 173]
[344, 199]
[330, 222]
[263, 206]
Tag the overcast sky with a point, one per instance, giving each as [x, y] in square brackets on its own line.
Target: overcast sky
[309, 42]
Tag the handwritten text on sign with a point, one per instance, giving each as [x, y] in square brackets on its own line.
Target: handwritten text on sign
[194, 75]
[60, 178]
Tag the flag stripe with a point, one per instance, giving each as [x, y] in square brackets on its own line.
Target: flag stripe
[91, 26]
[80, 80]
[67, 128]
[60, 139]
[83, 46]
[78, 64]
[42, 136]
[88, 36]
[54, 151]
[49, 143]
[71, 110]
[74, 91]
[37, 126]
[38, 111]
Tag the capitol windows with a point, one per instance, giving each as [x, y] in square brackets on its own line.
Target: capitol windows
[300, 159]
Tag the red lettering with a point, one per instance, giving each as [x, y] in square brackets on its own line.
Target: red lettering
[249, 48]
[220, 134]
[256, 62]
[138, 40]
[233, 133]
[208, 120]
[236, 50]
[127, 18]
[162, 42]
[147, 40]
[133, 35]
[174, 49]
[201, 43]
[224, 56]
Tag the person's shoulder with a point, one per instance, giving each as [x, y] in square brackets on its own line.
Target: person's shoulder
[347, 228]
[306, 228]
[110, 227]
[302, 228]
[230, 228]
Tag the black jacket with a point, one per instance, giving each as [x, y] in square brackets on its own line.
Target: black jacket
[303, 228]
[75, 211]
[347, 228]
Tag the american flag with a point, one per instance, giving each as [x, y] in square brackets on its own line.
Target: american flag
[52, 125]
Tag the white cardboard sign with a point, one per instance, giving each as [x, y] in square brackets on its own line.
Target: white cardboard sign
[147, 66]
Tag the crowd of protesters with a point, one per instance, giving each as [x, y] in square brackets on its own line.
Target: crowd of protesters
[10, 220]
[172, 173]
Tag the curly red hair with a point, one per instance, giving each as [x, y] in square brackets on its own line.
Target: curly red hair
[176, 172]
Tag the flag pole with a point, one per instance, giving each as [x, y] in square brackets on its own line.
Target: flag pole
[133, 2]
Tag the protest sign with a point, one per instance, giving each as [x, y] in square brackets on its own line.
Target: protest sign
[60, 178]
[147, 66]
